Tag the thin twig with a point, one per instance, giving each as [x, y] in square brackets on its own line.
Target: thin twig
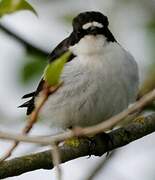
[138, 106]
[43, 160]
[33, 116]
[106, 125]
[102, 164]
[56, 160]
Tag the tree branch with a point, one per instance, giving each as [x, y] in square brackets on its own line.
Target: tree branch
[100, 166]
[117, 138]
[32, 119]
[81, 132]
[29, 47]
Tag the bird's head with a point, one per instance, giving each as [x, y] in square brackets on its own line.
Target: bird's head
[91, 23]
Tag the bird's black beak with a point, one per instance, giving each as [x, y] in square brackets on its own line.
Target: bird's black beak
[93, 30]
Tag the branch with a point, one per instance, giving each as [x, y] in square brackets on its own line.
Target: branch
[31, 48]
[56, 160]
[43, 160]
[99, 128]
[33, 116]
[100, 166]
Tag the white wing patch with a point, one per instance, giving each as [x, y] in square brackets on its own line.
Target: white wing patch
[90, 24]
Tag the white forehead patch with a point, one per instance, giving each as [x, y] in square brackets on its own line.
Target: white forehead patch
[90, 24]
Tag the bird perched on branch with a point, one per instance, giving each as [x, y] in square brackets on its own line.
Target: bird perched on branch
[100, 77]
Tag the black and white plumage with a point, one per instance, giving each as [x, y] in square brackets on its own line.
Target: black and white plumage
[100, 77]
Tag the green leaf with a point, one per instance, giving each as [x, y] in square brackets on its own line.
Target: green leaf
[10, 6]
[53, 70]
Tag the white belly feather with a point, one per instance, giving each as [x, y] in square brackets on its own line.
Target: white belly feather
[97, 85]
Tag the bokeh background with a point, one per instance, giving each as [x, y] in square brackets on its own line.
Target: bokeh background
[133, 24]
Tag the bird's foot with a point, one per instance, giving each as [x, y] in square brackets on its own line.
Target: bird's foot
[97, 141]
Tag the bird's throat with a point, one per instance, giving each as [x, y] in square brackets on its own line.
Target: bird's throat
[89, 45]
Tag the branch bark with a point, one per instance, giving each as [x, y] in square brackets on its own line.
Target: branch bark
[117, 138]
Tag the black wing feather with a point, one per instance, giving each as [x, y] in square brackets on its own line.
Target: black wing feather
[61, 49]
[28, 95]
[58, 51]
[30, 105]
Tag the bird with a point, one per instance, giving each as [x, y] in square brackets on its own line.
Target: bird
[100, 77]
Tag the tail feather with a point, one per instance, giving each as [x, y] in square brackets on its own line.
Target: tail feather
[29, 105]
[26, 104]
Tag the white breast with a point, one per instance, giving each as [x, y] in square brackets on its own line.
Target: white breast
[99, 82]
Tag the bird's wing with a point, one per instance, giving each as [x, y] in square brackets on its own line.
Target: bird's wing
[30, 104]
[28, 95]
[56, 53]
[61, 49]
